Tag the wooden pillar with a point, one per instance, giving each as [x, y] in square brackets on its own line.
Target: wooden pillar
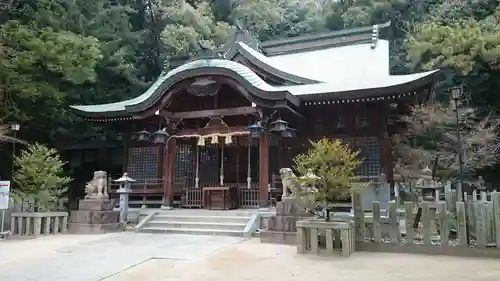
[263, 169]
[386, 147]
[386, 157]
[126, 148]
[161, 162]
[169, 173]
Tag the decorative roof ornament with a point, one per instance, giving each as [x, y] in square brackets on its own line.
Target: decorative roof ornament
[375, 33]
[201, 141]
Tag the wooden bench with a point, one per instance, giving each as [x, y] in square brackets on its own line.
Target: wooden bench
[338, 236]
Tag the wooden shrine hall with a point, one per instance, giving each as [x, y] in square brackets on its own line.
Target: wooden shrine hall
[225, 123]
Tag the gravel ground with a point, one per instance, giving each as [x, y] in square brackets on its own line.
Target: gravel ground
[148, 257]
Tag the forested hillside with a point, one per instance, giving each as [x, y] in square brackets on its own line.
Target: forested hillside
[60, 52]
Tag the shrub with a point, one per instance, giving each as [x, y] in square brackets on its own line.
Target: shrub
[39, 176]
[334, 164]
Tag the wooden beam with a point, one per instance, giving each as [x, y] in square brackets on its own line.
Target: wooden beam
[245, 110]
[207, 131]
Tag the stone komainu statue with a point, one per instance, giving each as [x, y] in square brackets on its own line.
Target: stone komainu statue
[289, 182]
[97, 188]
[291, 185]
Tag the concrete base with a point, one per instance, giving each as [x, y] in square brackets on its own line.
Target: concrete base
[95, 205]
[278, 237]
[281, 227]
[263, 203]
[85, 228]
[94, 216]
[468, 252]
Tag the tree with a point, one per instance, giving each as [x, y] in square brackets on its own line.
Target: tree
[328, 168]
[40, 62]
[190, 29]
[462, 38]
[271, 19]
[39, 176]
[431, 141]
[69, 52]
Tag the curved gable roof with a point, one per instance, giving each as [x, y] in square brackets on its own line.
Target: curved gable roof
[271, 66]
[235, 70]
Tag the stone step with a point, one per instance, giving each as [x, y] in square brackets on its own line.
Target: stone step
[196, 225]
[203, 212]
[192, 218]
[193, 231]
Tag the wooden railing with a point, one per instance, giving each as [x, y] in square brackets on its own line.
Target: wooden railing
[248, 198]
[192, 198]
[149, 193]
[145, 193]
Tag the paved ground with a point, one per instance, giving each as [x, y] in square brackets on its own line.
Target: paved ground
[148, 257]
[93, 258]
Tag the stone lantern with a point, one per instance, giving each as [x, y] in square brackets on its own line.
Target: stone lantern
[428, 186]
[124, 191]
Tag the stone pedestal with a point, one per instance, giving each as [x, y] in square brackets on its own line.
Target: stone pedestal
[282, 226]
[94, 216]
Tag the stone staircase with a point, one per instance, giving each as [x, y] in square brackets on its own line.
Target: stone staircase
[202, 223]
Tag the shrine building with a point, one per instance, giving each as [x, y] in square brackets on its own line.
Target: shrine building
[233, 118]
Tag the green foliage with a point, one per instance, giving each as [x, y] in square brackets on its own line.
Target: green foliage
[38, 61]
[39, 176]
[57, 53]
[431, 140]
[460, 37]
[334, 163]
[191, 29]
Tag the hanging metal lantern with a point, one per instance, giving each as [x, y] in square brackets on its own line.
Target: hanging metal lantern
[289, 133]
[256, 129]
[364, 123]
[228, 140]
[279, 126]
[215, 140]
[160, 137]
[119, 136]
[143, 135]
[340, 124]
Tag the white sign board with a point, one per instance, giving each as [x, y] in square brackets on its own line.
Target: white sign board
[4, 194]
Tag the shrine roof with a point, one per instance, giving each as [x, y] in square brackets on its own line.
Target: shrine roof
[343, 65]
[368, 86]
[166, 79]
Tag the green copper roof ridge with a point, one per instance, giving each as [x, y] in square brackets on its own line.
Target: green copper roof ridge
[330, 34]
[241, 70]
